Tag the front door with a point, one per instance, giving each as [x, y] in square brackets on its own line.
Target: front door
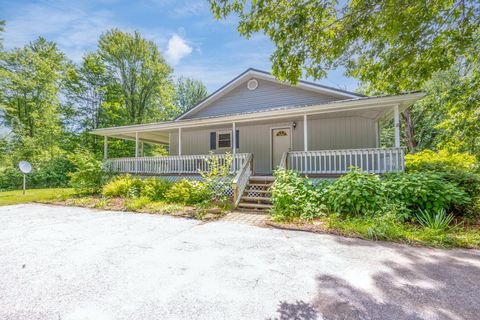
[281, 142]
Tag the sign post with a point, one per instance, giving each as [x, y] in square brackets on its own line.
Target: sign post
[25, 167]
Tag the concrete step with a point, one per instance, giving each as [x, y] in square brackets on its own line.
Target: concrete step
[259, 206]
[248, 199]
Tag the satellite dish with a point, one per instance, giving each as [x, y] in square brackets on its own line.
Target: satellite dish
[25, 166]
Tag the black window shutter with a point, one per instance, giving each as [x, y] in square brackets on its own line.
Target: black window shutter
[237, 139]
[213, 140]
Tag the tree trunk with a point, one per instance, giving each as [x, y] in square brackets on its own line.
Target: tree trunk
[412, 144]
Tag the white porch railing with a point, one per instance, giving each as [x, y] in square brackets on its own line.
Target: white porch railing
[241, 179]
[187, 164]
[374, 160]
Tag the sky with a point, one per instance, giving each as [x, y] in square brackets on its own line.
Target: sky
[193, 42]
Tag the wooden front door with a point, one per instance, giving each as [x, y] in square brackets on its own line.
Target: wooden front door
[281, 142]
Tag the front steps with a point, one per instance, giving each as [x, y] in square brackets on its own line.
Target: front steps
[257, 195]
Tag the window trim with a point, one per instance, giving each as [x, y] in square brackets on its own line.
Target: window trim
[218, 139]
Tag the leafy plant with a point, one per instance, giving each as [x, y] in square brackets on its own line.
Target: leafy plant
[436, 220]
[218, 177]
[423, 191]
[294, 196]
[124, 186]
[154, 188]
[89, 174]
[441, 161]
[188, 192]
[357, 193]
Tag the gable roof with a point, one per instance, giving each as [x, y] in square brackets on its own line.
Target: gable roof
[247, 74]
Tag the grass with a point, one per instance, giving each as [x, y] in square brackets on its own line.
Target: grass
[460, 235]
[32, 195]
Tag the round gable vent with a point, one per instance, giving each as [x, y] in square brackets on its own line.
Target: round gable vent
[252, 84]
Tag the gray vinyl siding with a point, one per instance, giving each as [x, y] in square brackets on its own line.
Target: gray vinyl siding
[267, 95]
[323, 134]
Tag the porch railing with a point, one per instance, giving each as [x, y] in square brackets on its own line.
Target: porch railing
[241, 179]
[374, 160]
[185, 164]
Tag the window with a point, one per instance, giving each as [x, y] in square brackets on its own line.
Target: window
[224, 139]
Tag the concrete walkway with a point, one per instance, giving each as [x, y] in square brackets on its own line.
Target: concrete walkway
[74, 263]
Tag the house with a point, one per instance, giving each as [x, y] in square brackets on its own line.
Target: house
[264, 123]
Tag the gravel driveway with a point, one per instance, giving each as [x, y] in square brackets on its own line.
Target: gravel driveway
[74, 263]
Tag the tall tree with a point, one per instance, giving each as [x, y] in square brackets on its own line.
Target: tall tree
[391, 46]
[189, 92]
[30, 83]
[141, 73]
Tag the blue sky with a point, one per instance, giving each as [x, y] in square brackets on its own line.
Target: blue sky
[193, 42]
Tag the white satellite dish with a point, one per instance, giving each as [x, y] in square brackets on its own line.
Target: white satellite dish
[25, 166]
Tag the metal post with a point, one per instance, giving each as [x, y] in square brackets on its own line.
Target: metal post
[305, 133]
[24, 183]
[396, 124]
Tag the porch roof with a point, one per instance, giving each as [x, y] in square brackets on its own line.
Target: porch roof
[159, 132]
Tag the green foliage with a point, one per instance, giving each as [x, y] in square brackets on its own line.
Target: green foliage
[51, 173]
[424, 191]
[134, 204]
[188, 192]
[357, 193]
[124, 186]
[140, 74]
[189, 92]
[435, 220]
[294, 196]
[218, 178]
[154, 188]
[89, 174]
[396, 45]
[441, 161]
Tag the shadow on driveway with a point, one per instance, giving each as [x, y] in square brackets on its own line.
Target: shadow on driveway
[434, 284]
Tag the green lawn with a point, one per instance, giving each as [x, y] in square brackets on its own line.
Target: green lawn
[16, 197]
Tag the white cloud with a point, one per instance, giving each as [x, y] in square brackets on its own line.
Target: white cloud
[177, 49]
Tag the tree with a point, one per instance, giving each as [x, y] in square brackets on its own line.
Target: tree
[2, 23]
[393, 45]
[141, 73]
[30, 82]
[189, 92]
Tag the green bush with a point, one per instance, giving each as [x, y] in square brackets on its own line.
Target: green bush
[441, 161]
[294, 196]
[89, 174]
[154, 188]
[188, 192]
[424, 191]
[357, 193]
[124, 186]
[52, 173]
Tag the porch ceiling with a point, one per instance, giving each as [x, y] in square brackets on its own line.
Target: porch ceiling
[377, 108]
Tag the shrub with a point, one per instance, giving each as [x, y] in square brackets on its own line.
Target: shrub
[188, 192]
[424, 191]
[89, 174]
[441, 161]
[357, 193]
[124, 186]
[154, 188]
[295, 197]
[218, 178]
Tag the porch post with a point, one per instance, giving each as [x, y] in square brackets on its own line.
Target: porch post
[234, 145]
[136, 152]
[305, 133]
[105, 147]
[179, 141]
[396, 125]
